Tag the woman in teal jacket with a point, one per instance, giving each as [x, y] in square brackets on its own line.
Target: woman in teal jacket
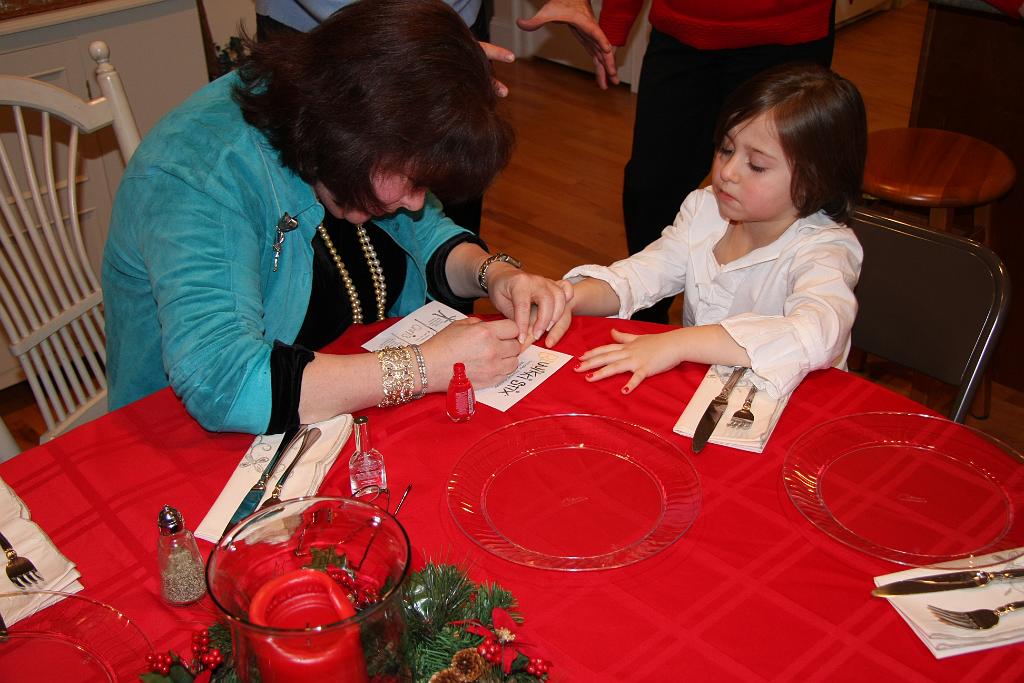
[288, 200]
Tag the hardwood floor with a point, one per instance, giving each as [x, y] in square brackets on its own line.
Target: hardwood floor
[558, 203]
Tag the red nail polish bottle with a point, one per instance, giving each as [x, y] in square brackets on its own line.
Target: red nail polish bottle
[461, 403]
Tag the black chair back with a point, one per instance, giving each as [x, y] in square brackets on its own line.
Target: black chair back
[930, 301]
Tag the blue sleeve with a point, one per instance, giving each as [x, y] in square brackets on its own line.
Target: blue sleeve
[203, 261]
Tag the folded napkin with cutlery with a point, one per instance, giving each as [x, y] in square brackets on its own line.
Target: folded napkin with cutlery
[945, 640]
[304, 480]
[766, 410]
[30, 541]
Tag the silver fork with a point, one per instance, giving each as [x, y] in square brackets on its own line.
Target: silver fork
[307, 442]
[975, 619]
[743, 418]
[20, 570]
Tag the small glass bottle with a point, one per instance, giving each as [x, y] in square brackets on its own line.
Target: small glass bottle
[461, 403]
[366, 466]
[182, 575]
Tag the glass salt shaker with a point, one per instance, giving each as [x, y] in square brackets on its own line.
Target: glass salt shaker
[366, 466]
[182, 574]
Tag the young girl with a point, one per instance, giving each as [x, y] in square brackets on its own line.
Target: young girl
[767, 267]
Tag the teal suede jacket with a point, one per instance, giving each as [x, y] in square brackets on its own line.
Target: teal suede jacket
[191, 295]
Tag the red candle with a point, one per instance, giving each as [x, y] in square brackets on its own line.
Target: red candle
[302, 599]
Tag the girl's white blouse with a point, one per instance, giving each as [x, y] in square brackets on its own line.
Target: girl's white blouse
[789, 304]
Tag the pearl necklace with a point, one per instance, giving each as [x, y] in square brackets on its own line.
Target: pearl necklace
[380, 288]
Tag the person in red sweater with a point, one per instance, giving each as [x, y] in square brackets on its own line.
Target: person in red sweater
[699, 52]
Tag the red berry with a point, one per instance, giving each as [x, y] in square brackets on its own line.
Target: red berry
[481, 650]
[531, 669]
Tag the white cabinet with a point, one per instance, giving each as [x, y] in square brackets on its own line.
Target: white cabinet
[157, 48]
[848, 10]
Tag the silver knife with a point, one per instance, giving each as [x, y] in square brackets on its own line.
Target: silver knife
[946, 582]
[714, 412]
[255, 495]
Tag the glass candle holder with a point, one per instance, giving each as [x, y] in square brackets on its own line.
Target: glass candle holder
[311, 589]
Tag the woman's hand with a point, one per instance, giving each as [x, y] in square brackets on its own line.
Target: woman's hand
[579, 16]
[489, 350]
[642, 354]
[535, 303]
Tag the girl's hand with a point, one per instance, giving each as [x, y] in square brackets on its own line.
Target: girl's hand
[515, 292]
[642, 354]
[489, 350]
[561, 325]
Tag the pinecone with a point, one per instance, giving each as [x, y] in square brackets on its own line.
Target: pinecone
[446, 676]
[468, 664]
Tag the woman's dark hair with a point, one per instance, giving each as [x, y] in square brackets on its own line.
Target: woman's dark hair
[821, 124]
[382, 86]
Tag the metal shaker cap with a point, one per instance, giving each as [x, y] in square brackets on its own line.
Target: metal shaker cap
[170, 521]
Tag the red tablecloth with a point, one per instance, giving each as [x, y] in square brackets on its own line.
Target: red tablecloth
[751, 592]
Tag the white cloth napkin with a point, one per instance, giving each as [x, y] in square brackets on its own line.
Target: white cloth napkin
[944, 640]
[304, 480]
[58, 572]
[766, 409]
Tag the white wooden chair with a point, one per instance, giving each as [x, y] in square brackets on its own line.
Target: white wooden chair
[50, 297]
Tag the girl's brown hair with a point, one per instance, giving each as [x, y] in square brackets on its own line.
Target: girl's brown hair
[382, 86]
[820, 120]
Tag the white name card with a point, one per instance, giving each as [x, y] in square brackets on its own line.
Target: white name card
[536, 364]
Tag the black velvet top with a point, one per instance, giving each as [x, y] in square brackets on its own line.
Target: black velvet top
[329, 312]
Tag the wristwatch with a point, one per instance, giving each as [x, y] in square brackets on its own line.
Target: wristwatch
[481, 275]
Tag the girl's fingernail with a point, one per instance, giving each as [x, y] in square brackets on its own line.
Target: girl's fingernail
[577, 365]
[625, 390]
[590, 375]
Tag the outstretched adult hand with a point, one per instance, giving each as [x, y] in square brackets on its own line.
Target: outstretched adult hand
[497, 53]
[578, 15]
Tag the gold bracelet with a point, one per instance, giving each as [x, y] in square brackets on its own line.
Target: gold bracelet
[423, 371]
[396, 368]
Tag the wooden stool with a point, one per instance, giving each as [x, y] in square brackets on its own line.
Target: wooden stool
[938, 170]
[941, 171]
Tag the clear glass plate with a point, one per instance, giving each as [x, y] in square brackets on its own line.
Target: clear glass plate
[74, 640]
[574, 493]
[912, 489]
